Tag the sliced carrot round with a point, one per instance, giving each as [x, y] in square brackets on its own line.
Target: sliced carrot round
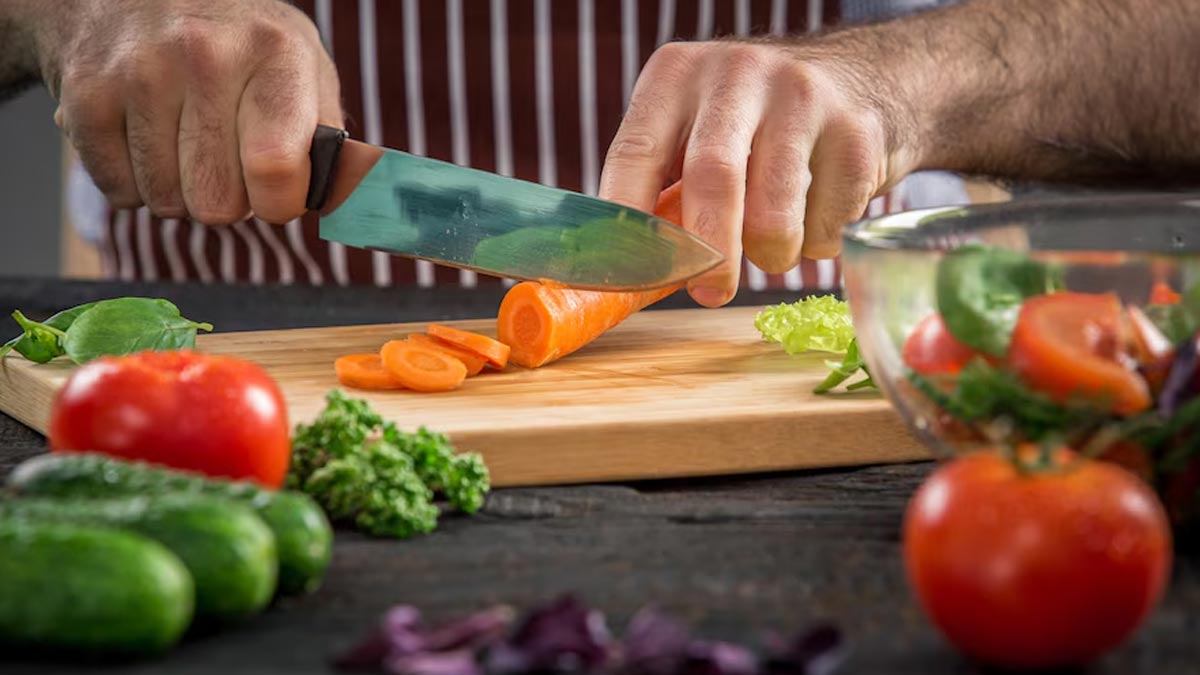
[494, 351]
[365, 371]
[474, 362]
[422, 368]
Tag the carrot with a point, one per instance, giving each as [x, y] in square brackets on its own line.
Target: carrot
[365, 371]
[670, 204]
[543, 323]
[471, 360]
[495, 352]
[422, 368]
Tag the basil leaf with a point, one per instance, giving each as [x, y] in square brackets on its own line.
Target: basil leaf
[129, 325]
[980, 291]
[38, 344]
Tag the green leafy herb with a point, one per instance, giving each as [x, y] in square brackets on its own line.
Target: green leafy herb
[818, 323]
[982, 394]
[129, 325]
[364, 470]
[980, 291]
[107, 328]
[851, 363]
[40, 342]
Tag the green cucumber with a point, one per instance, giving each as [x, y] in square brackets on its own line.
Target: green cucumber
[303, 537]
[90, 589]
[226, 547]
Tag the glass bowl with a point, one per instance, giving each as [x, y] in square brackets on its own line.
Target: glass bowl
[1122, 244]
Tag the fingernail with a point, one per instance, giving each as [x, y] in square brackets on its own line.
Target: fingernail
[709, 296]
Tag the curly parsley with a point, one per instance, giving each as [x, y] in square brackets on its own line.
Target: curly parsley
[364, 470]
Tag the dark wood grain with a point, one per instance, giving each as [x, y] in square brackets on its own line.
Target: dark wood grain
[736, 555]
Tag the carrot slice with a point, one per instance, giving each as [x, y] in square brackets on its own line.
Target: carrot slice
[422, 368]
[365, 371]
[471, 360]
[545, 324]
[495, 352]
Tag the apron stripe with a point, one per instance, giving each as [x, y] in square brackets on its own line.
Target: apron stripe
[589, 162]
[296, 232]
[381, 265]
[197, 250]
[285, 272]
[779, 17]
[125, 259]
[145, 245]
[391, 83]
[666, 21]
[170, 230]
[460, 138]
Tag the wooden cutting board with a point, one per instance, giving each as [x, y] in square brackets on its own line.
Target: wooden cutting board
[670, 393]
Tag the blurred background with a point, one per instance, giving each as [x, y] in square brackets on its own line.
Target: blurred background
[31, 168]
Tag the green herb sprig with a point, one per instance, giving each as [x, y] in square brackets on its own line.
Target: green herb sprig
[364, 470]
[113, 327]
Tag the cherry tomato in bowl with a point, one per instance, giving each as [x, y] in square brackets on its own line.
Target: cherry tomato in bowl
[1068, 345]
[217, 415]
[1049, 569]
[931, 350]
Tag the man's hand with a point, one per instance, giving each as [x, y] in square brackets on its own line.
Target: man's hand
[781, 144]
[778, 148]
[200, 108]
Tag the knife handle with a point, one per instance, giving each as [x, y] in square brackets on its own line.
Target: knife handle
[326, 146]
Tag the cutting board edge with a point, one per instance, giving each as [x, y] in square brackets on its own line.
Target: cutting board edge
[600, 457]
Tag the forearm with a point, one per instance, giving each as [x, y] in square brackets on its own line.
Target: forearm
[1081, 90]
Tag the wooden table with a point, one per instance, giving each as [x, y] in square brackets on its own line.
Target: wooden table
[735, 555]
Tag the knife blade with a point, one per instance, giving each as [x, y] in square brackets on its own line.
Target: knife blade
[386, 200]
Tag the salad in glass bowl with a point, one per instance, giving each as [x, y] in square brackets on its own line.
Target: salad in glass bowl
[1048, 323]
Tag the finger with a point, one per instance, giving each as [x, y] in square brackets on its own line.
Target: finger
[276, 118]
[652, 133]
[152, 113]
[848, 167]
[93, 118]
[778, 179]
[714, 171]
[209, 165]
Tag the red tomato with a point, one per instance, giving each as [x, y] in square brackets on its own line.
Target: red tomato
[1069, 345]
[931, 350]
[214, 414]
[1042, 570]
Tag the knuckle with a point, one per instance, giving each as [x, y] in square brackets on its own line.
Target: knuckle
[822, 247]
[200, 50]
[269, 36]
[713, 168]
[636, 146]
[743, 61]
[271, 164]
[801, 87]
[671, 55]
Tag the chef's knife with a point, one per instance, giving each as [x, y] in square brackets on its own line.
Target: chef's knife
[375, 198]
